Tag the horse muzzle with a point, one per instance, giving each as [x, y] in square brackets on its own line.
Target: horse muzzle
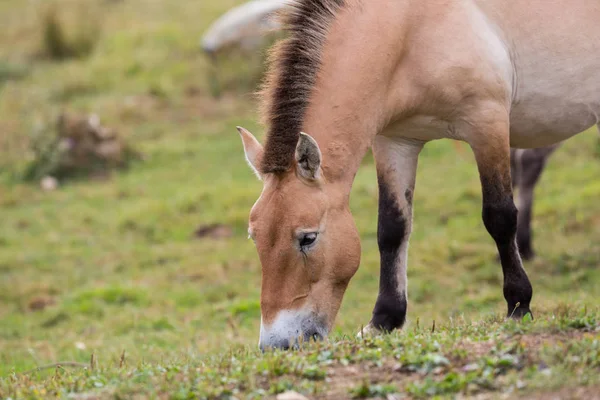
[290, 329]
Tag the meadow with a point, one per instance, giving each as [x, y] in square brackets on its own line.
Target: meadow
[145, 284]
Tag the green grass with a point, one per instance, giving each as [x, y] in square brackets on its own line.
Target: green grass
[117, 269]
[462, 357]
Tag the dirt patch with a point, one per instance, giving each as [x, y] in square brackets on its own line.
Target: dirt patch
[545, 339]
[342, 379]
[572, 393]
[190, 278]
[528, 341]
[214, 231]
[40, 302]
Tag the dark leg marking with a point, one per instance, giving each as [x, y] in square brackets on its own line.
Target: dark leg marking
[390, 309]
[500, 219]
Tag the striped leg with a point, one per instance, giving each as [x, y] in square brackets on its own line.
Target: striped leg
[396, 162]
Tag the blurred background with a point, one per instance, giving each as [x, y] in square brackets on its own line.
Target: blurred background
[124, 193]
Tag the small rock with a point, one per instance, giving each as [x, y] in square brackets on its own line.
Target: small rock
[521, 384]
[291, 395]
[49, 183]
[470, 367]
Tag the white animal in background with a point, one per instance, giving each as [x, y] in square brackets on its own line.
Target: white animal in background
[244, 26]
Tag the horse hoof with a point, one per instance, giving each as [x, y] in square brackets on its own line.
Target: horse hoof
[367, 331]
[519, 313]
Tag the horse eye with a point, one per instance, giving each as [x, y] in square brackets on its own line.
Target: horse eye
[308, 239]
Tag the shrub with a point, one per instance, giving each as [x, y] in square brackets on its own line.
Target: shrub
[76, 146]
[69, 31]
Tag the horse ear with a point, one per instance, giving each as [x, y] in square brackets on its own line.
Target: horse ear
[308, 157]
[253, 150]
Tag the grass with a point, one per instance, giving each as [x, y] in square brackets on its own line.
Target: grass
[509, 358]
[112, 268]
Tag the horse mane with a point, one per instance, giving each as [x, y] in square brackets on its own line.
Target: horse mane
[293, 66]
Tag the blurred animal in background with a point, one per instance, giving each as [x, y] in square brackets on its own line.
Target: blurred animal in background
[244, 30]
[244, 26]
[527, 166]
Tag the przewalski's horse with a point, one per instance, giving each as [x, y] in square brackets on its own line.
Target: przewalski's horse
[395, 74]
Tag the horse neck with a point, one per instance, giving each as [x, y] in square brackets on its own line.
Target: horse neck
[350, 102]
[343, 140]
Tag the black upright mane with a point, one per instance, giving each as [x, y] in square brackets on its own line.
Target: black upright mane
[294, 65]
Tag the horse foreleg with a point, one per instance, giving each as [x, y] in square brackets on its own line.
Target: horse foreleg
[396, 162]
[489, 140]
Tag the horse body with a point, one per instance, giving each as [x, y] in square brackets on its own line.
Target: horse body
[394, 75]
[544, 55]
[554, 48]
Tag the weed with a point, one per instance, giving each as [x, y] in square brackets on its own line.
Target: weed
[75, 147]
[367, 390]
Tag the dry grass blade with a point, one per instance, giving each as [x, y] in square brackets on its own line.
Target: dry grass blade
[57, 365]
[515, 309]
[122, 360]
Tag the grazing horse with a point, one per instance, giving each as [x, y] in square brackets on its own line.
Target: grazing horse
[394, 75]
